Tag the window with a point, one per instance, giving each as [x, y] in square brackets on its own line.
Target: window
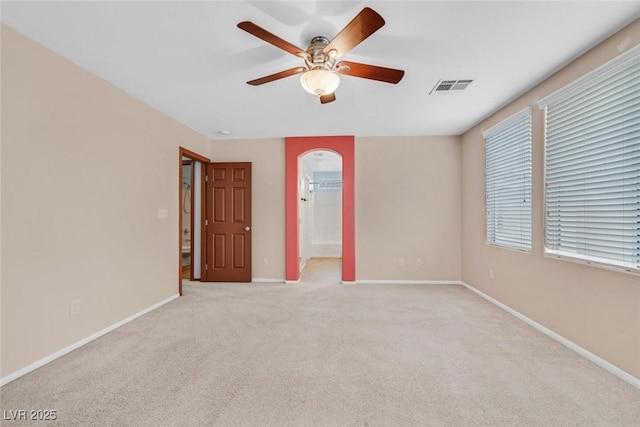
[592, 178]
[508, 182]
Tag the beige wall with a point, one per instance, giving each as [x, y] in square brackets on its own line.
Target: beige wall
[85, 168]
[410, 211]
[596, 308]
[1, 208]
[408, 206]
[267, 158]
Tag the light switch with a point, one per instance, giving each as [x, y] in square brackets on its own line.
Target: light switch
[163, 213]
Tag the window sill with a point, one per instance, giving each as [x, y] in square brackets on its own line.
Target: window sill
[576, 260]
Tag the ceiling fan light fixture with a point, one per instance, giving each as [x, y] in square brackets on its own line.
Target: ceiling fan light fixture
[320, 74]
[319, 81]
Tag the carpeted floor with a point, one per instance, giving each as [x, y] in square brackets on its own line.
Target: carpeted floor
[325, 354]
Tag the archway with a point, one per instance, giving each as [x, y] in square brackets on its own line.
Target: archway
[296, 147]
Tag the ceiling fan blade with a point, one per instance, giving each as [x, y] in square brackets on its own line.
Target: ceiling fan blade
[367, 22]
[330, 97]
[277, 76]
[271, 38]
[372, 72]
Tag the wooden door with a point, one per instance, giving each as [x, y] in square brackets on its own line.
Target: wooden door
[228, 222]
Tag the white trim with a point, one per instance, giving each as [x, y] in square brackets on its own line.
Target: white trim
[509, 121]
[408, 282]
[263, 280]
[291, 282]
[609, 264]
[588, 78]
[623, 375]
[549, 253]
[349, 282]
[17, 374]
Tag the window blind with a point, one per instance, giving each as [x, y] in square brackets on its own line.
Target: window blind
[592, 160]
[508, 182]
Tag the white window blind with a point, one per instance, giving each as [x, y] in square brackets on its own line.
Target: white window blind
[508, 182]
[592, 179]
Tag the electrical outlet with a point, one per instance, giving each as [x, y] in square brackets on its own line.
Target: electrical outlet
[491, 274]
[419, 261]
[74, 308]
[401, 262]
[265, 261]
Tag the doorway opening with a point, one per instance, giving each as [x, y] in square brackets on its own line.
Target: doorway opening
[187, 210]
[320, 210]
[190, 215]
[296, 147]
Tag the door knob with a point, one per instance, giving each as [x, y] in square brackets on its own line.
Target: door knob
[247, 228]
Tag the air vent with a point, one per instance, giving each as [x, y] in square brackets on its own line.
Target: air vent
[450, 85]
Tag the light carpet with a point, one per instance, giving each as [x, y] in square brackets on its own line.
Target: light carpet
[324, 354]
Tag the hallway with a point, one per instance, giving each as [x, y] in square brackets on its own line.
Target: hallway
[326, 270]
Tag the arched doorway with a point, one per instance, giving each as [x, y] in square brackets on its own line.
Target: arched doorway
[295, 148]
[320, 212]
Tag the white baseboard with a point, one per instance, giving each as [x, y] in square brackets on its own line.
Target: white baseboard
[623, 375]
[348, 282]
[78, 344]
[262, 280]
[291, 282]
[408, 282]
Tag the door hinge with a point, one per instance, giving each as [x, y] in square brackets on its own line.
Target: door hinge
[206, 222]
[206, 266]
[206, 178]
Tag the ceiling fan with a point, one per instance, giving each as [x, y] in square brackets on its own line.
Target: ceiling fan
[319, 75]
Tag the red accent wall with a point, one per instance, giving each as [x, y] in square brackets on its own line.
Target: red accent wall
[295, 148]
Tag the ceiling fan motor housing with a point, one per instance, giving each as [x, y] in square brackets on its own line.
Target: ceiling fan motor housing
[317, 58]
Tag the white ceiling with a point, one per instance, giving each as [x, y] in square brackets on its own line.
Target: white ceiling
[190, 61]
[322, 161]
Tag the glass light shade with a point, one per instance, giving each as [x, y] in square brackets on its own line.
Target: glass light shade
[319, 82]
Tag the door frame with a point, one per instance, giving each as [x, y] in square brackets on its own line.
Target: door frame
[304, 231]
[296, 147]
[184, 152]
